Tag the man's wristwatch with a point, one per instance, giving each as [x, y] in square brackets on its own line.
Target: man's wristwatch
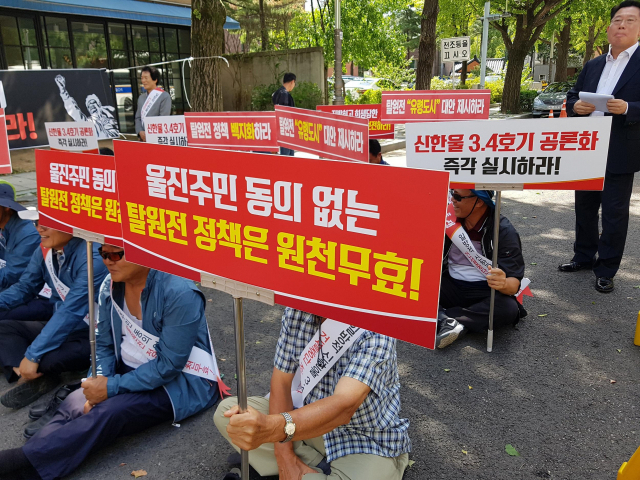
[289, 427]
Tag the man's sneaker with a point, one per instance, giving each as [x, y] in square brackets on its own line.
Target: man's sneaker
[28, 392]
[448, 332]
[41, 409]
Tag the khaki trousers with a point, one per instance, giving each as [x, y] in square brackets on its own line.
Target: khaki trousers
[359, 466]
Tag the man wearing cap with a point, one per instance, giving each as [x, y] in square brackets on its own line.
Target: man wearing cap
[155, 364]
[18, 240]
[467, 279]
[35, 353]
[346, 424]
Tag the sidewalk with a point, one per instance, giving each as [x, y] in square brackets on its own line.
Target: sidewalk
[25, 185]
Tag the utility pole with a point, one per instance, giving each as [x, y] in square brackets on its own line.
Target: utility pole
[338, 84]
[485, 37]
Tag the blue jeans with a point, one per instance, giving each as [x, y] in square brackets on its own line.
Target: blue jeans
[39, 309]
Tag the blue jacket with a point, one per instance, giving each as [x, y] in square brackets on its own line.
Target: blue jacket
[173, 310]
[18, 240]
[69, 315]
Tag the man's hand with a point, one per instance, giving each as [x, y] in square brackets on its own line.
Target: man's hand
[95, 389]
[583, 108]
[61, 82]
[87, 407]
[251, 429]
[29, 369]
[497, 279]
[143, 136]
[616, 106]
[292, 468]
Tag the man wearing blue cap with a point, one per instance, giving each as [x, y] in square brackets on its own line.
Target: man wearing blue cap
[467, 277]
[18, 240]
[34, 353]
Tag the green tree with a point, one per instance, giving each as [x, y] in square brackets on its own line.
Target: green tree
[427, 46]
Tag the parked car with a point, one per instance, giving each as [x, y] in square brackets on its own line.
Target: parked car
[551, 98]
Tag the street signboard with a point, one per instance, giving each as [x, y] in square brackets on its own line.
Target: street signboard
[456, 49]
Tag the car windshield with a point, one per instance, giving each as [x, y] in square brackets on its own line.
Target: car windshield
[560, 87]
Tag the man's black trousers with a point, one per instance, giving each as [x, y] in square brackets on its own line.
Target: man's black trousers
[609, 246]
[468, 303]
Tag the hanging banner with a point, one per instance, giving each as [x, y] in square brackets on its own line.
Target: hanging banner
[318, 234]
[38, 96]
[79, 192]
[377, 129]
[169, 130]
[435, 105]
[5, 155]
[324, 134]
[250, 131]
[568, 154]
[72, 136]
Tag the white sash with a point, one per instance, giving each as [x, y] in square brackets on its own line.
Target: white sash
[460, 239]
[337, 337]
[60, 287]
[200, 363]
[46, 290]
[149, 102]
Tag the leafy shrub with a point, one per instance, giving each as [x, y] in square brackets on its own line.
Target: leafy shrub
[496, 87]
[370, 97]
[305, 94]
[526, 99]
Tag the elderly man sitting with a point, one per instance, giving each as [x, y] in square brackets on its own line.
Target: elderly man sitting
[346, 425]
[155, 364]
[467, 279]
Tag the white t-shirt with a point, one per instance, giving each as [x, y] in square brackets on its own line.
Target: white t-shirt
[128, 350]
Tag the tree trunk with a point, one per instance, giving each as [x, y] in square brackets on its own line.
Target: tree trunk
[264, 37]
[427, 46]
[563, 51]
[207, 40]
[512, 80]
[589, 45]
[463, 73]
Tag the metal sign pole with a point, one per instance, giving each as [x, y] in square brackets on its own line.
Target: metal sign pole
[92, 310]
[494, 264]
[239, 291]
[242, 379]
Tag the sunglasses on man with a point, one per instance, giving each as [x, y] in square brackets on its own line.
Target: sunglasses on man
[113, 256]
[457, 197]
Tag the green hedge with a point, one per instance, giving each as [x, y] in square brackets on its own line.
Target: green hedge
[526, 100]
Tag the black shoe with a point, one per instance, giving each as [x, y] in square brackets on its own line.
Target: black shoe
[63, 392]
[234, 474]
[574, 266]
[448, 332]
[34, 427]
[28, 392]
[604, 284]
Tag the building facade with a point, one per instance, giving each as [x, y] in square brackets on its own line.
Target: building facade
[119, 35]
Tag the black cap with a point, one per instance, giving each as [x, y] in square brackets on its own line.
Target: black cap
[8, 197]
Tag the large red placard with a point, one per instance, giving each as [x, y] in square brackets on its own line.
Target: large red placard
[435, 105]
[5, 155]
[79, 191]
[232, 130]
[324, 134]
[377, 128]
[342, 240]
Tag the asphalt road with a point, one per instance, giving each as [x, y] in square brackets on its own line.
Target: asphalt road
[546, 389]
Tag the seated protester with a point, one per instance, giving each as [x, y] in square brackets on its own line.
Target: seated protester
[167, 378]
[350, 417]
[37, 352]
[375, 152]
[464, 290]
[18, 240]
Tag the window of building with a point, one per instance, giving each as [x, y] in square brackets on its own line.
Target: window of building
[20, 43]
[89, 44]
[56, 42]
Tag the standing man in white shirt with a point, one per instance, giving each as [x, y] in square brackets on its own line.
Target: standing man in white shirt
[617, 73]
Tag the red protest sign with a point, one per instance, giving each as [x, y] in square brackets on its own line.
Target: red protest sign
[5, 155]
[339, 239]
[78, 191]
[325, 134]
[377, 128]
[232, 130]
[435, 105]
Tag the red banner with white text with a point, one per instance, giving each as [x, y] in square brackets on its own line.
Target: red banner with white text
[435, 105]
[79, 191]
[318, 234]
[377, 128]
[324, 134]
[232, 130]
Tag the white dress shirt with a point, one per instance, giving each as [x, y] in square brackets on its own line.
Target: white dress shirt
[612, 72]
